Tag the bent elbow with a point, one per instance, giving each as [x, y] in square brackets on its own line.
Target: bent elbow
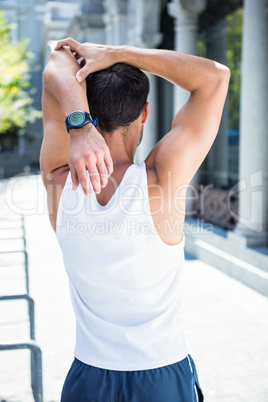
[48, 70]
[223, 72]
[219, 81]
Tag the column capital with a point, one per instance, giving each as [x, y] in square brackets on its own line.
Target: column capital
[186, 11]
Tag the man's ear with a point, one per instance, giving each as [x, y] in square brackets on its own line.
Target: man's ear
[145, 112]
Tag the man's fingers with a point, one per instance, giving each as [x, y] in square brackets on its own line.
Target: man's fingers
[74, 46]
[74, 176]
[108, 161]
[83, 73]
[94, 178]
[83, 178]
[91, 166]
[103, 172]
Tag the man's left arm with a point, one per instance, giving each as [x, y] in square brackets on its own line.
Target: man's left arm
[62, 95]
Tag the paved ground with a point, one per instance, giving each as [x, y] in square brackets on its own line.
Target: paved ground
[226, 323]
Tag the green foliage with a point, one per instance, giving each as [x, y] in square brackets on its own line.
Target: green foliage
[201, 45]
[16, 108]
[234, 56]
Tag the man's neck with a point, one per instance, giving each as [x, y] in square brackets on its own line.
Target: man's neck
[122, 153]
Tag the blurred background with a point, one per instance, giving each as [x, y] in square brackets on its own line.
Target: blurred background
[227, 208]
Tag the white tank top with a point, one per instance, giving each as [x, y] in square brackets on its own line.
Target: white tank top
[124, 280]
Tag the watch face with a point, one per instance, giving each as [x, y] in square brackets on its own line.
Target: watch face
[76, 118]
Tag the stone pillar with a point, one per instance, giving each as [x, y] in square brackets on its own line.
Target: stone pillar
[134, 34]
[216, 41]
[88, 25]
[116, 20]
[252, 228]
[186, 14]
[121, 22]
[144, 32]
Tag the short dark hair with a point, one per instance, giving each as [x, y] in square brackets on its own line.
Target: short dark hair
[117, 95]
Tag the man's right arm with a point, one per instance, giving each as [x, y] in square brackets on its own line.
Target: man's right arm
[195, 126]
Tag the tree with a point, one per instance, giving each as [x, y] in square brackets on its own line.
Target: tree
[16, 109]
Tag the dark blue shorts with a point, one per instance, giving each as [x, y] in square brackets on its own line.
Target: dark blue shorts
[176, 382]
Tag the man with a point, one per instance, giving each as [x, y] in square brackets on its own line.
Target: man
[122, 257]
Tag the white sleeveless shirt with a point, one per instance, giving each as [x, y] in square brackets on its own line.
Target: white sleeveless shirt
[124, 280]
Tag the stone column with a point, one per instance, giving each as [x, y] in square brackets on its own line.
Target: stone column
[121, 22]
[116, 20]
[216, 41]
[134, 34]
[252, 228]
[186, 14]
[89, 26]
[144, 32]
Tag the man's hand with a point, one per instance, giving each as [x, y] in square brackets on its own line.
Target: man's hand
[89, 152]
[95, 57]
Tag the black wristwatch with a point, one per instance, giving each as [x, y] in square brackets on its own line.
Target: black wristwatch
[78, 119]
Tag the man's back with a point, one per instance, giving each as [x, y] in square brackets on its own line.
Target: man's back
[124, 280]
